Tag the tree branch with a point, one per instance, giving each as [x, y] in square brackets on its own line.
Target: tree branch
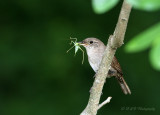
[114, 41]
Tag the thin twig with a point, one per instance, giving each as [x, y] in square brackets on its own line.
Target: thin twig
[104, 102]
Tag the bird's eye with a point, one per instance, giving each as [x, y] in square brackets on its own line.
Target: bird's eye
[91, 42]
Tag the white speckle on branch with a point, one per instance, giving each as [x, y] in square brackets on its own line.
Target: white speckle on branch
[97, 81]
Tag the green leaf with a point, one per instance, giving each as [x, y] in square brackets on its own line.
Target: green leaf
[149, 5]
[155, 57]
[102, 6]
[156, 41]
[143, 40]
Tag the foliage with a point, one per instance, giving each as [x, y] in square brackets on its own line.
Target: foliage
[148, 5]
[148, 38]
[145, 39]
[102, 6]
[155, 56]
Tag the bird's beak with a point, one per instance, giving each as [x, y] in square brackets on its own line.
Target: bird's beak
[82, 43]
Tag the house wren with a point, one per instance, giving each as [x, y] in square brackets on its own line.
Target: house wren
[95, 50]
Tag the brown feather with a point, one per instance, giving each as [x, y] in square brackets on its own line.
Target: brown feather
[115, 64]
[119, 76]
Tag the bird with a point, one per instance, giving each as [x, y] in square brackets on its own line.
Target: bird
[95, 50]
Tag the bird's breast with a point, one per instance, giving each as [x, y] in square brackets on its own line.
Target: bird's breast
[95, 61]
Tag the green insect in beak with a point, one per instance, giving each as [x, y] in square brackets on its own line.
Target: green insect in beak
[77, 47]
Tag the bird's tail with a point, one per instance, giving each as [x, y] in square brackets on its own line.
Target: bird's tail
[123, 85]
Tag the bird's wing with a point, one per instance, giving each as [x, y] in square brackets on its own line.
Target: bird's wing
[115, 64]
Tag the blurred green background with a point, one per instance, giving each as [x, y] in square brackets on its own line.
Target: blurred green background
[38, 77]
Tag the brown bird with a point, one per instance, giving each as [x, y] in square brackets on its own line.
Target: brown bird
[95, 50]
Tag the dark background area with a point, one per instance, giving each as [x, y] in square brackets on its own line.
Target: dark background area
[38, 77]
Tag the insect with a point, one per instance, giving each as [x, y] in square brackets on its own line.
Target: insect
[77, 47]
